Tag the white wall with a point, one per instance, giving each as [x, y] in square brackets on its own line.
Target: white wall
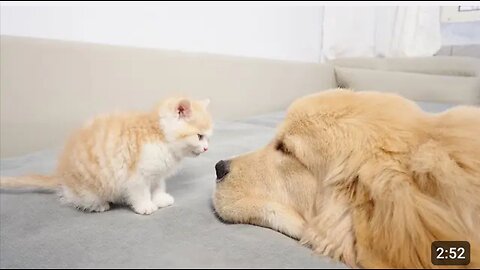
[462, 33]
[287, 33]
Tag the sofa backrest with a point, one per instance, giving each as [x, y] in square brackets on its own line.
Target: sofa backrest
[49, 87]
[438, 79]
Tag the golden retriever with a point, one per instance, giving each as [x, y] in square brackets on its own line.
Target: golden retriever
[366, 178]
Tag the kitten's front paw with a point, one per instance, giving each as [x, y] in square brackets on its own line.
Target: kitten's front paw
[144, 208]
[99, 208]
[163, 200]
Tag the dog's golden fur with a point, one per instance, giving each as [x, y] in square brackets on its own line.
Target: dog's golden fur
[363, 177]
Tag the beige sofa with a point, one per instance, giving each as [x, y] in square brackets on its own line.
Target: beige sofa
[435, 79]
[48, 87]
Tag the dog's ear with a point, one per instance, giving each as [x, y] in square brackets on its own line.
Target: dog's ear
[400, 222]
[308, 148]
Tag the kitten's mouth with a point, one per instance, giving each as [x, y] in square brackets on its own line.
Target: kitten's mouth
[196, 153]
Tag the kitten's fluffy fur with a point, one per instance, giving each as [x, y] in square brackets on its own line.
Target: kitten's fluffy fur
[125, 158]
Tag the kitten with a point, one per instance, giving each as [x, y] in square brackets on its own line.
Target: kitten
[125, 158]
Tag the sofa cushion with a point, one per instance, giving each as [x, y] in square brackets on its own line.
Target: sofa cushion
[416, 86]
[440, 65]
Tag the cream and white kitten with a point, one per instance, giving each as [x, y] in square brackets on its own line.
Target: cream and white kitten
[125, 158]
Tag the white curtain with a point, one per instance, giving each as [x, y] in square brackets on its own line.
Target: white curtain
[380, 31]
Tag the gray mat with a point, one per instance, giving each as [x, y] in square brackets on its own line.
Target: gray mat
[37, 232]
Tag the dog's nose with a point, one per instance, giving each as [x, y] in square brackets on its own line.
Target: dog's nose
[222, 168]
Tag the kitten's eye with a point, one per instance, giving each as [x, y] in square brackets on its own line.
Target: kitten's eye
[200, 136]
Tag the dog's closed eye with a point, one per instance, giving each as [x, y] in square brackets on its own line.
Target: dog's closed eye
[280, 146]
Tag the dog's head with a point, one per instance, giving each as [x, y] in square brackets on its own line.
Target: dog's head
[324, 140]
[374, 158]
[252, 186]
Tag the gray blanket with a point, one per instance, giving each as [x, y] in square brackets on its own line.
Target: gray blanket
[37, 232]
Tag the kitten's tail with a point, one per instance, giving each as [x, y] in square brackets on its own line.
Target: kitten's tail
[48, 182]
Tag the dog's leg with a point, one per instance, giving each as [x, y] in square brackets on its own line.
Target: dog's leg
[331, 233]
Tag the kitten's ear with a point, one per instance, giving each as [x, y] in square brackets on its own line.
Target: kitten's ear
[184, 108]
[205, 102]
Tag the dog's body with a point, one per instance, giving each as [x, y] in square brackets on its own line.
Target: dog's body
[363, 177]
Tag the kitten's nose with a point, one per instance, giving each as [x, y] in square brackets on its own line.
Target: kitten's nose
[222, 168]
[205, 149]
